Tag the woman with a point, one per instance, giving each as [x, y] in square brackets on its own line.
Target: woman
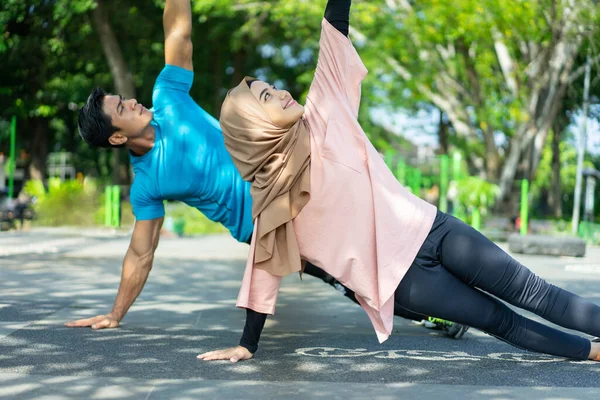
[322, 194]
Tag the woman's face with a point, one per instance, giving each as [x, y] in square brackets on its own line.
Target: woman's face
[281, 107]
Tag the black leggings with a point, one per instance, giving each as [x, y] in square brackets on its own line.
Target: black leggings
[454, 267]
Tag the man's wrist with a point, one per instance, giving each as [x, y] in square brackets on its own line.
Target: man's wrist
[114, 315]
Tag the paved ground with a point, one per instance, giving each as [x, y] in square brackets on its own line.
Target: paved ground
[319, 345]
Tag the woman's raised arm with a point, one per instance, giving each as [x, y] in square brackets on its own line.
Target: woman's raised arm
[337, 13]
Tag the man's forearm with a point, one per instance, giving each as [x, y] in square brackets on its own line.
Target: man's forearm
[133, 277]
[177, 17]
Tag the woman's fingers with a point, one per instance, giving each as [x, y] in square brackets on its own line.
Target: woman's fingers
[223, 354]
[233, 354]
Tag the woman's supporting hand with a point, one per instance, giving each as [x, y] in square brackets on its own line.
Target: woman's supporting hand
[233, 354]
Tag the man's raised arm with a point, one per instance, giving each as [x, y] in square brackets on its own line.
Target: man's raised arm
[136, 268]
[177, 23]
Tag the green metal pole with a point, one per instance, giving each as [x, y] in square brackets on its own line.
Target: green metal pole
[410, 178]
[116, 202]
[456, 162]
[401, 172]
[476, 219]
[443, 202]
[416, 181]
[108, 206]
[389, 158]
[524, 206]
[13, 158]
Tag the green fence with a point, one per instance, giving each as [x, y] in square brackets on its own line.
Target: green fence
[112, 206]
[590, 232]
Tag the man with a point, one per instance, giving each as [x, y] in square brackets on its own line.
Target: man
[177, 152]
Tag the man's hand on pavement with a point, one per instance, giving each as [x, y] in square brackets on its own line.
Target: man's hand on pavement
[233, 354]
[97, 322]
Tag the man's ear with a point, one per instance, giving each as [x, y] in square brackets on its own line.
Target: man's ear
[117, 139]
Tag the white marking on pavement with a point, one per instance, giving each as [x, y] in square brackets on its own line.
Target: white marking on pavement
[150, 392]
[429, 355]
[585, 268]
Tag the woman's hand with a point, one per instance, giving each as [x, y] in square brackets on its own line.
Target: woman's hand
[233, 354]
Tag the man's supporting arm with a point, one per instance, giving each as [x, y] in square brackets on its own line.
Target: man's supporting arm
[136, 268]
[177, 24]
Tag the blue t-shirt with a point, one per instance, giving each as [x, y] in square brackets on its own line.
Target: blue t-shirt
[188, 161]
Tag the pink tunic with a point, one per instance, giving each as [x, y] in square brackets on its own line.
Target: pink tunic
[360, 225]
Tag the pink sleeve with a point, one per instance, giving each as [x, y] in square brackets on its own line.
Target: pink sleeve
[259, 288]
[339, 73]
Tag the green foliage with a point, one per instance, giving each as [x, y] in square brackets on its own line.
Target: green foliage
[72, 203]
[127, 217]
[447, 54]
[35, 188]
[476, 193]
[195, 222]
[568, 174]
[52, 59]
[64, 203]
[590, 232]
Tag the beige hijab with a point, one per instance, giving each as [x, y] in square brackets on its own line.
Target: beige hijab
[277, 162]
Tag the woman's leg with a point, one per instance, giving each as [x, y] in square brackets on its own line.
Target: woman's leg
[454, 300]
[474, 259]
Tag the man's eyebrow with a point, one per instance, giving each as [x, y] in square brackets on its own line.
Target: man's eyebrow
[263, 92]
[119, 103]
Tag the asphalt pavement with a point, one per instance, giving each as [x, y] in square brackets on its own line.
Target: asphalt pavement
[318, 345]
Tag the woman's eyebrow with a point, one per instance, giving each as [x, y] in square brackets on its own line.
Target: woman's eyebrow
[263, 92]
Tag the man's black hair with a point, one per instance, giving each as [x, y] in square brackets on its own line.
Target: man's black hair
[94, 125]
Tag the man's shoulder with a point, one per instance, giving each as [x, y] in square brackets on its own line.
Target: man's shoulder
[174, 78]
[142, 186]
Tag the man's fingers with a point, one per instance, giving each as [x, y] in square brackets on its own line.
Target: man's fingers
[105, 323]
[82, 322]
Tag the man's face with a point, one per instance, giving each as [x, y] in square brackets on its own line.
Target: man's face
[130, 117]
[281, 107]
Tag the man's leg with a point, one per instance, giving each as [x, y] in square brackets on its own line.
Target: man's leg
[451, 329]
[313, 270]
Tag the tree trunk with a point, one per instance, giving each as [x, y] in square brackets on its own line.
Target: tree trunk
[511, 162]
[543, 108]
[122, 77]
[218, 67]
[239, 60]
[39, 148]
[443, 134]
[492, 156]
[555, 195]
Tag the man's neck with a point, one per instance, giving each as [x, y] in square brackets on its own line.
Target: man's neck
[144, 143]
